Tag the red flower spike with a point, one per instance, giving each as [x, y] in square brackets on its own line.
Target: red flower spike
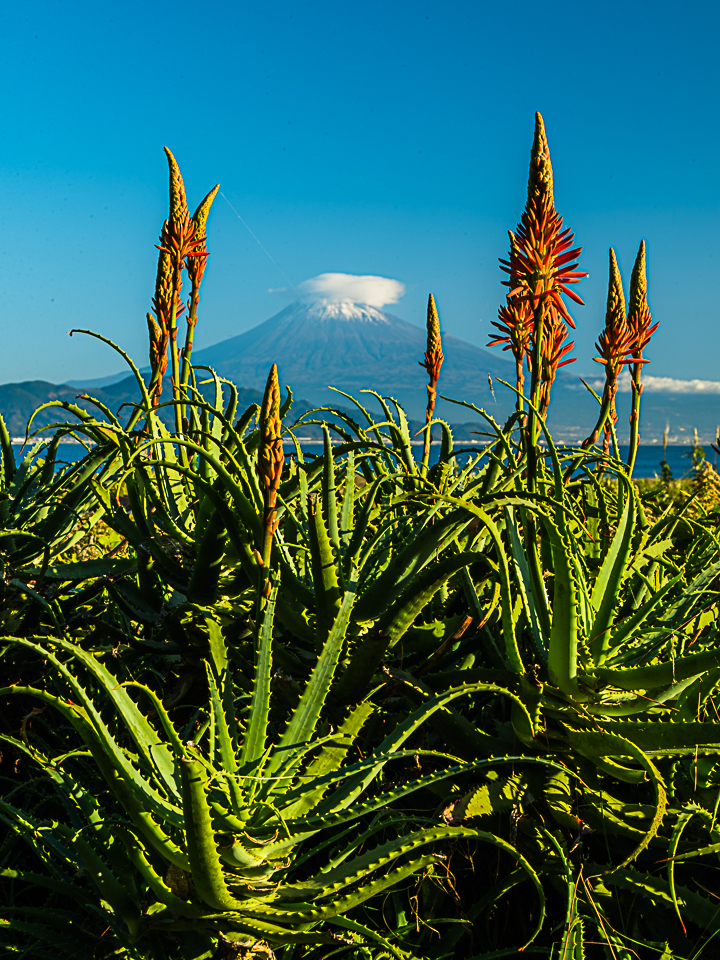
[541, 267]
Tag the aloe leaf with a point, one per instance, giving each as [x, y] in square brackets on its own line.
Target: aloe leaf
[7, 470]
[562, 658]
[247, 509]
[108, 885]
[683, 608]
[682, 821]
[632, 707]
[422, 548]
[208, 566]
[329, 500]
[60, 940]
[156, 883]
[626, 628]
[347, 511]
[226, 750]
[239, 536]
[83, 808]
[593, 745]
[700, 910]
[156, 753]
[329, 761]
[347, 793]
[253, 746]
[95, 733]
[122, 787]
[345, 923]
[84, 569]
[524, 582]
[205, 863]
[619, 772]
[661, 674]
[402, 439]
[331, 882]
[605, 593]
[319, 818]
[345, 903]
[78, 850]
[512, 652]
[305, 717]
[325, 573]
[42, 840]
[418, 593]
[65, 886]
[34, 595]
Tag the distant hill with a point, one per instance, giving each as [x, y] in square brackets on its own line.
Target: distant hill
[18, 401]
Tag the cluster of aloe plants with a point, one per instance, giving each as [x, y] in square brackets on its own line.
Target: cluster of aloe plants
[354, 704]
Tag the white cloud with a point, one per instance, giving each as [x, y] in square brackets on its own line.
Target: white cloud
[341, 287]
[662, 384]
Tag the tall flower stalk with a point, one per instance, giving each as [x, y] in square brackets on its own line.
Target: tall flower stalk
[542, 265]
[270, 463]
[179, 243]
[195, 265]
[642, 329]
[433, 362]
[614, 345]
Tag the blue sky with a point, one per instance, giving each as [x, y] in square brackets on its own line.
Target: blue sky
[386, 138]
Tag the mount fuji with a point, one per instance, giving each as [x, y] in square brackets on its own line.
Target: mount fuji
[336, 334]
[353, 346]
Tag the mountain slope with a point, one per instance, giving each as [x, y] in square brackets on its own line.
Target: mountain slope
[352, 347]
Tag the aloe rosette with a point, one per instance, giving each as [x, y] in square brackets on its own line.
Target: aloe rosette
[201, 836]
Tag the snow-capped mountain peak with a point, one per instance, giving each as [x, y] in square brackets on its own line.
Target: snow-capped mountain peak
[322, 309]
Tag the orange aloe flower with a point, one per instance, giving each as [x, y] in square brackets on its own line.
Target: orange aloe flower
[542, 267]
[615, 346]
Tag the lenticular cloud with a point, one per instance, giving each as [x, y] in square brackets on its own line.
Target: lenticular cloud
[341, 287]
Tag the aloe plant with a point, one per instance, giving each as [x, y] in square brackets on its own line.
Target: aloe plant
[209, 836]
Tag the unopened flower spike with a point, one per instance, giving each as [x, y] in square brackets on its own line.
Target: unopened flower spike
[615, 313]
[433, 363]
[178, 201]
[270, 459]
[540, 178]
[434, 355]
[201, 214]
[614, 345]
[641, 328]
[638, 283]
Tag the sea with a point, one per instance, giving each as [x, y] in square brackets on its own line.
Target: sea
[647, 464]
